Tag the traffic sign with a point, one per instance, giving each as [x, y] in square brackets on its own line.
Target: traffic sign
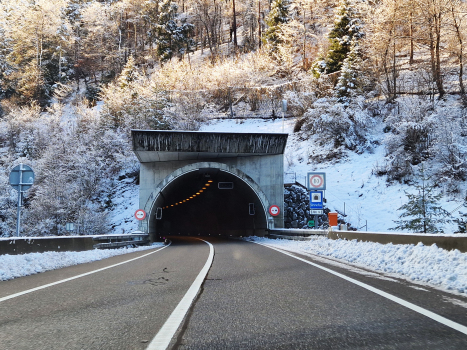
[316, 181]
[311, 223]
[140, 214]
[274, 210]
[316, 212]
[21, 177]
[316, 200]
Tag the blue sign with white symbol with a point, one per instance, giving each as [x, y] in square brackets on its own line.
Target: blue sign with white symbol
[316, 200]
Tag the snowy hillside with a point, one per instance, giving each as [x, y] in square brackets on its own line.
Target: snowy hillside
[353, 187]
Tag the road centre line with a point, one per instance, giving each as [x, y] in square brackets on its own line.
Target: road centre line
[162, 339]
[11, 296]
[413, 307]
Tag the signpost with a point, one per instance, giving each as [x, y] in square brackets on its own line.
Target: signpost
[140, 215]
[316, 184]
[21, 179]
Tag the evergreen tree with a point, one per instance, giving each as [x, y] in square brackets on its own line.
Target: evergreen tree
[278, 15]
[422, 212]
[129, 73]
[347, 28]
[172, 39]
[350, 78]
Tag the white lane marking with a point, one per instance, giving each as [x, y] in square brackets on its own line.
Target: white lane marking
[162, 339]
[420, 310]
[11, 296]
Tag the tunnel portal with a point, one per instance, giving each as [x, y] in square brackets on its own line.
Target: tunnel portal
[209, 202]
[209, 184]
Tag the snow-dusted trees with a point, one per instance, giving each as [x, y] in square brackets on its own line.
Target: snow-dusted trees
[38, 34]
[422, 213]
[208, 16]
[351, 78]
[172, 38]
[278, 16]
[133, 102]
[250, 25]
[410, 136]
[347, 28]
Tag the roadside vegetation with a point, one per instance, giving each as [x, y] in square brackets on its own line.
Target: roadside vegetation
[77, 75]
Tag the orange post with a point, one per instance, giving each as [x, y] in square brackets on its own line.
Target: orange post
[332, 219]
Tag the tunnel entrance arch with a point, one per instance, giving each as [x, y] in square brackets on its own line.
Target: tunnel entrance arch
[229, 204]
[246, 170]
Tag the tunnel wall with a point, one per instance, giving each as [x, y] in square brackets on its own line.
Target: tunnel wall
[263, 173]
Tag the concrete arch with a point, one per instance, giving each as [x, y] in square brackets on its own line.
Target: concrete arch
[155, 197]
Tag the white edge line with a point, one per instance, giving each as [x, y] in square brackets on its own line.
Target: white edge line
[162, 339]
[413, 307]
[11, 296]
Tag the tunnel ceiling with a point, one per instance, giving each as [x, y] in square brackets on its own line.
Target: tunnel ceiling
[159, 146]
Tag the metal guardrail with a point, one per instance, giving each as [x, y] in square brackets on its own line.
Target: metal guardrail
[448, 242]
[297, 232]
[116, 241]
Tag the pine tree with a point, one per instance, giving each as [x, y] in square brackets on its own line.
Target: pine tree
[129, 73]
[350, 78]
[172, 39]
[422, 212]
[347, 28]
[278, 16]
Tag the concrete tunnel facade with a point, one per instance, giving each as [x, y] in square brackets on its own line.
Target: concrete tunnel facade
[209, 183]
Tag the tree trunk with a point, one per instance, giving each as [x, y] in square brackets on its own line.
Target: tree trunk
[411, 38]
[438, 76]
[234, 26]
[460, 54]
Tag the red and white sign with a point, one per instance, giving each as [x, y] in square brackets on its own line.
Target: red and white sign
[274, 210]
[140, 214]
[316, 181]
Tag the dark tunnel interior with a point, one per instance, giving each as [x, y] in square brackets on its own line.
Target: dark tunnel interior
[209, 202]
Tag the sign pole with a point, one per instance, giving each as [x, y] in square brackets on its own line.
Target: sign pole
[18, 210]
[21, 179]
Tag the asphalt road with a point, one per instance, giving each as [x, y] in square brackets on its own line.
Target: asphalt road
[253, 298]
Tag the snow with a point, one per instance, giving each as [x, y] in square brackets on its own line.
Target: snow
[351, 185]
[14, 266]
[125, 201]
[425, 265]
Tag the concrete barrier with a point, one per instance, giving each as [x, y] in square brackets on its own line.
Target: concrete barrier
[25, 245]
[443, 241]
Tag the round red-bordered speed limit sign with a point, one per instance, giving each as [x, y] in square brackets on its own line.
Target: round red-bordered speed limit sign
[274, 210]
[140, 214]
[316, 181]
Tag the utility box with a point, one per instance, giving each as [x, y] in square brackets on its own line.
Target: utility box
[332, 217]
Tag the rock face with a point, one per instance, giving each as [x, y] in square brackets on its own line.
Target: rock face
[296, 208]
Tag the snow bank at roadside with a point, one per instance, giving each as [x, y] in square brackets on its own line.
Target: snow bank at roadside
[14, 266]
[429, 265]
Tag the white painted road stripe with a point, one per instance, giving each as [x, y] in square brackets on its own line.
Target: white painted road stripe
[162, 339]
[75, 277]
[420, 310]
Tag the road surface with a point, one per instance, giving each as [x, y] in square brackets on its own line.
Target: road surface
[253, 297]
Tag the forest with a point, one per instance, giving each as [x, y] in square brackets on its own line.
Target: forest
[77, 75]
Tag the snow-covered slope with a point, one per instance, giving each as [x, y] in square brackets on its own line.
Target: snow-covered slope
[352, 187]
